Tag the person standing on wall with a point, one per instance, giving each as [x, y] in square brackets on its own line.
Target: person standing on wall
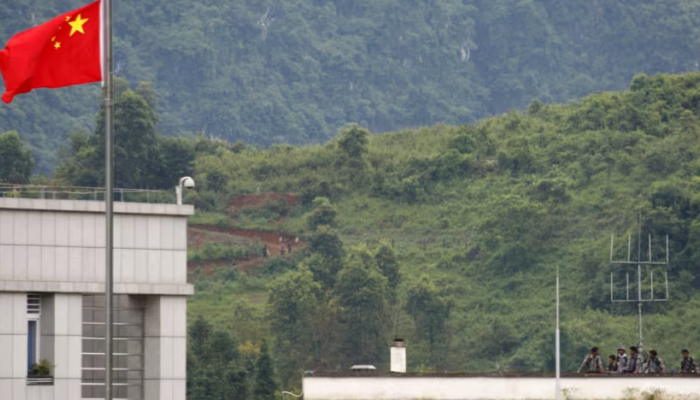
[655, 365]
[612, 364]
[622, 359]
[635, 364]
[688, 364]
[592, 363]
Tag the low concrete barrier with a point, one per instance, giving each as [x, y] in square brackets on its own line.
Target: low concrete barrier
[388, 386]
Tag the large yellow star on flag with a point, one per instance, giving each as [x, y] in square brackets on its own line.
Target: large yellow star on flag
[77, 25]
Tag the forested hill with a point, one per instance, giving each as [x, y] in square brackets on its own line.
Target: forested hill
[294, 71]
[316, 257]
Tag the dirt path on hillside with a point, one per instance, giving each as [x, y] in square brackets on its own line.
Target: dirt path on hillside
[277, 243]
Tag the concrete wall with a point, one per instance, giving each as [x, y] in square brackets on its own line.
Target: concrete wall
[510, 388]
[13, 345]
[60, 338]
[165, 348]
[61, 342]
[58, 246]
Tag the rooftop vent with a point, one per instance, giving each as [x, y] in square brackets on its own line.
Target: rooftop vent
[398, 356]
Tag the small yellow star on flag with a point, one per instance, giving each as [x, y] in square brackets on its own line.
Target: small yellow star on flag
[57, 45]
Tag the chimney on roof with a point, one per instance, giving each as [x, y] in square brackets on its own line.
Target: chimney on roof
[398, 356]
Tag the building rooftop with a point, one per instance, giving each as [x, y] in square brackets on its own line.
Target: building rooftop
[96, 206]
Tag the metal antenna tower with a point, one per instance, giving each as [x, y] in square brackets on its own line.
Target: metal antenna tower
[640, 298]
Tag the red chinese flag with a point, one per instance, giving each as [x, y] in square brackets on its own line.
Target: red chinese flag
[62, 52]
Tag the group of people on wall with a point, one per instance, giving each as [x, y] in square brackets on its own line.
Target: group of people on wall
[637, 362]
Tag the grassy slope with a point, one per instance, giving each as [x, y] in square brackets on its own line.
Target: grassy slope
[559, 181]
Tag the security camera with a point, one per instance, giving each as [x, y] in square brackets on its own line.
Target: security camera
[187, 182]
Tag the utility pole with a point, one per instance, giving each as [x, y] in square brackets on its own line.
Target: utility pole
[557, 351]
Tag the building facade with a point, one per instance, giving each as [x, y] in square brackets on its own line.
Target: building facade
[52, 304]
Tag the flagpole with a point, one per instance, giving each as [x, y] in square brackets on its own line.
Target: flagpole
[109, 189]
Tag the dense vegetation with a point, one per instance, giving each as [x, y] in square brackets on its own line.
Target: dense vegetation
[447, 236]
[294, 71]
[475, 219]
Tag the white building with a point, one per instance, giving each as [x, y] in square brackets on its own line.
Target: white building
[52, 273]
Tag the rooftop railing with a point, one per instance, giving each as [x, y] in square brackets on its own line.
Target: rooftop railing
[85, 193]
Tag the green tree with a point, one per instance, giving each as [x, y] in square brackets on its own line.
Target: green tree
[293, 299]
[215, 369]
[264, 387]
[353, 144]
[389, 266]
[137, 158]
[327, 256]
[78, 162]
[430, 306]
[16, 161]
[176, 160]
[362, 294]
[135, 141]
[322, 213]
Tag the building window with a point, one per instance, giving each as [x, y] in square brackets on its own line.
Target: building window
[127, 361]
[33, 320]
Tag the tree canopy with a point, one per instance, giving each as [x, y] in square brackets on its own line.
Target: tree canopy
[16, 161]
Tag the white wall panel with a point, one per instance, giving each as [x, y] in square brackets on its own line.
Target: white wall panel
[89, 222]
[7, 257]
[7, 235]
[19, 325]
[61, 263]
[167, 236]
[34, 228]
[88, 263]
[167, 266]
[19, 355]
[128, 265]
[62, 229]
[6, 310]
[6, 349]
[48, 228]
[153, 232]
[100, 262]
[141, 263]
[140, 235]
[20, 227]
[75, 264]
[48, 263]
[34, 263]
[154, 260]
[101, 231]
[20, 262]
[75, 229]
[180, 233]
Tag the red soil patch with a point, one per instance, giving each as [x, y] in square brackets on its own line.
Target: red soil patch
[277, 243]
[258, 200]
